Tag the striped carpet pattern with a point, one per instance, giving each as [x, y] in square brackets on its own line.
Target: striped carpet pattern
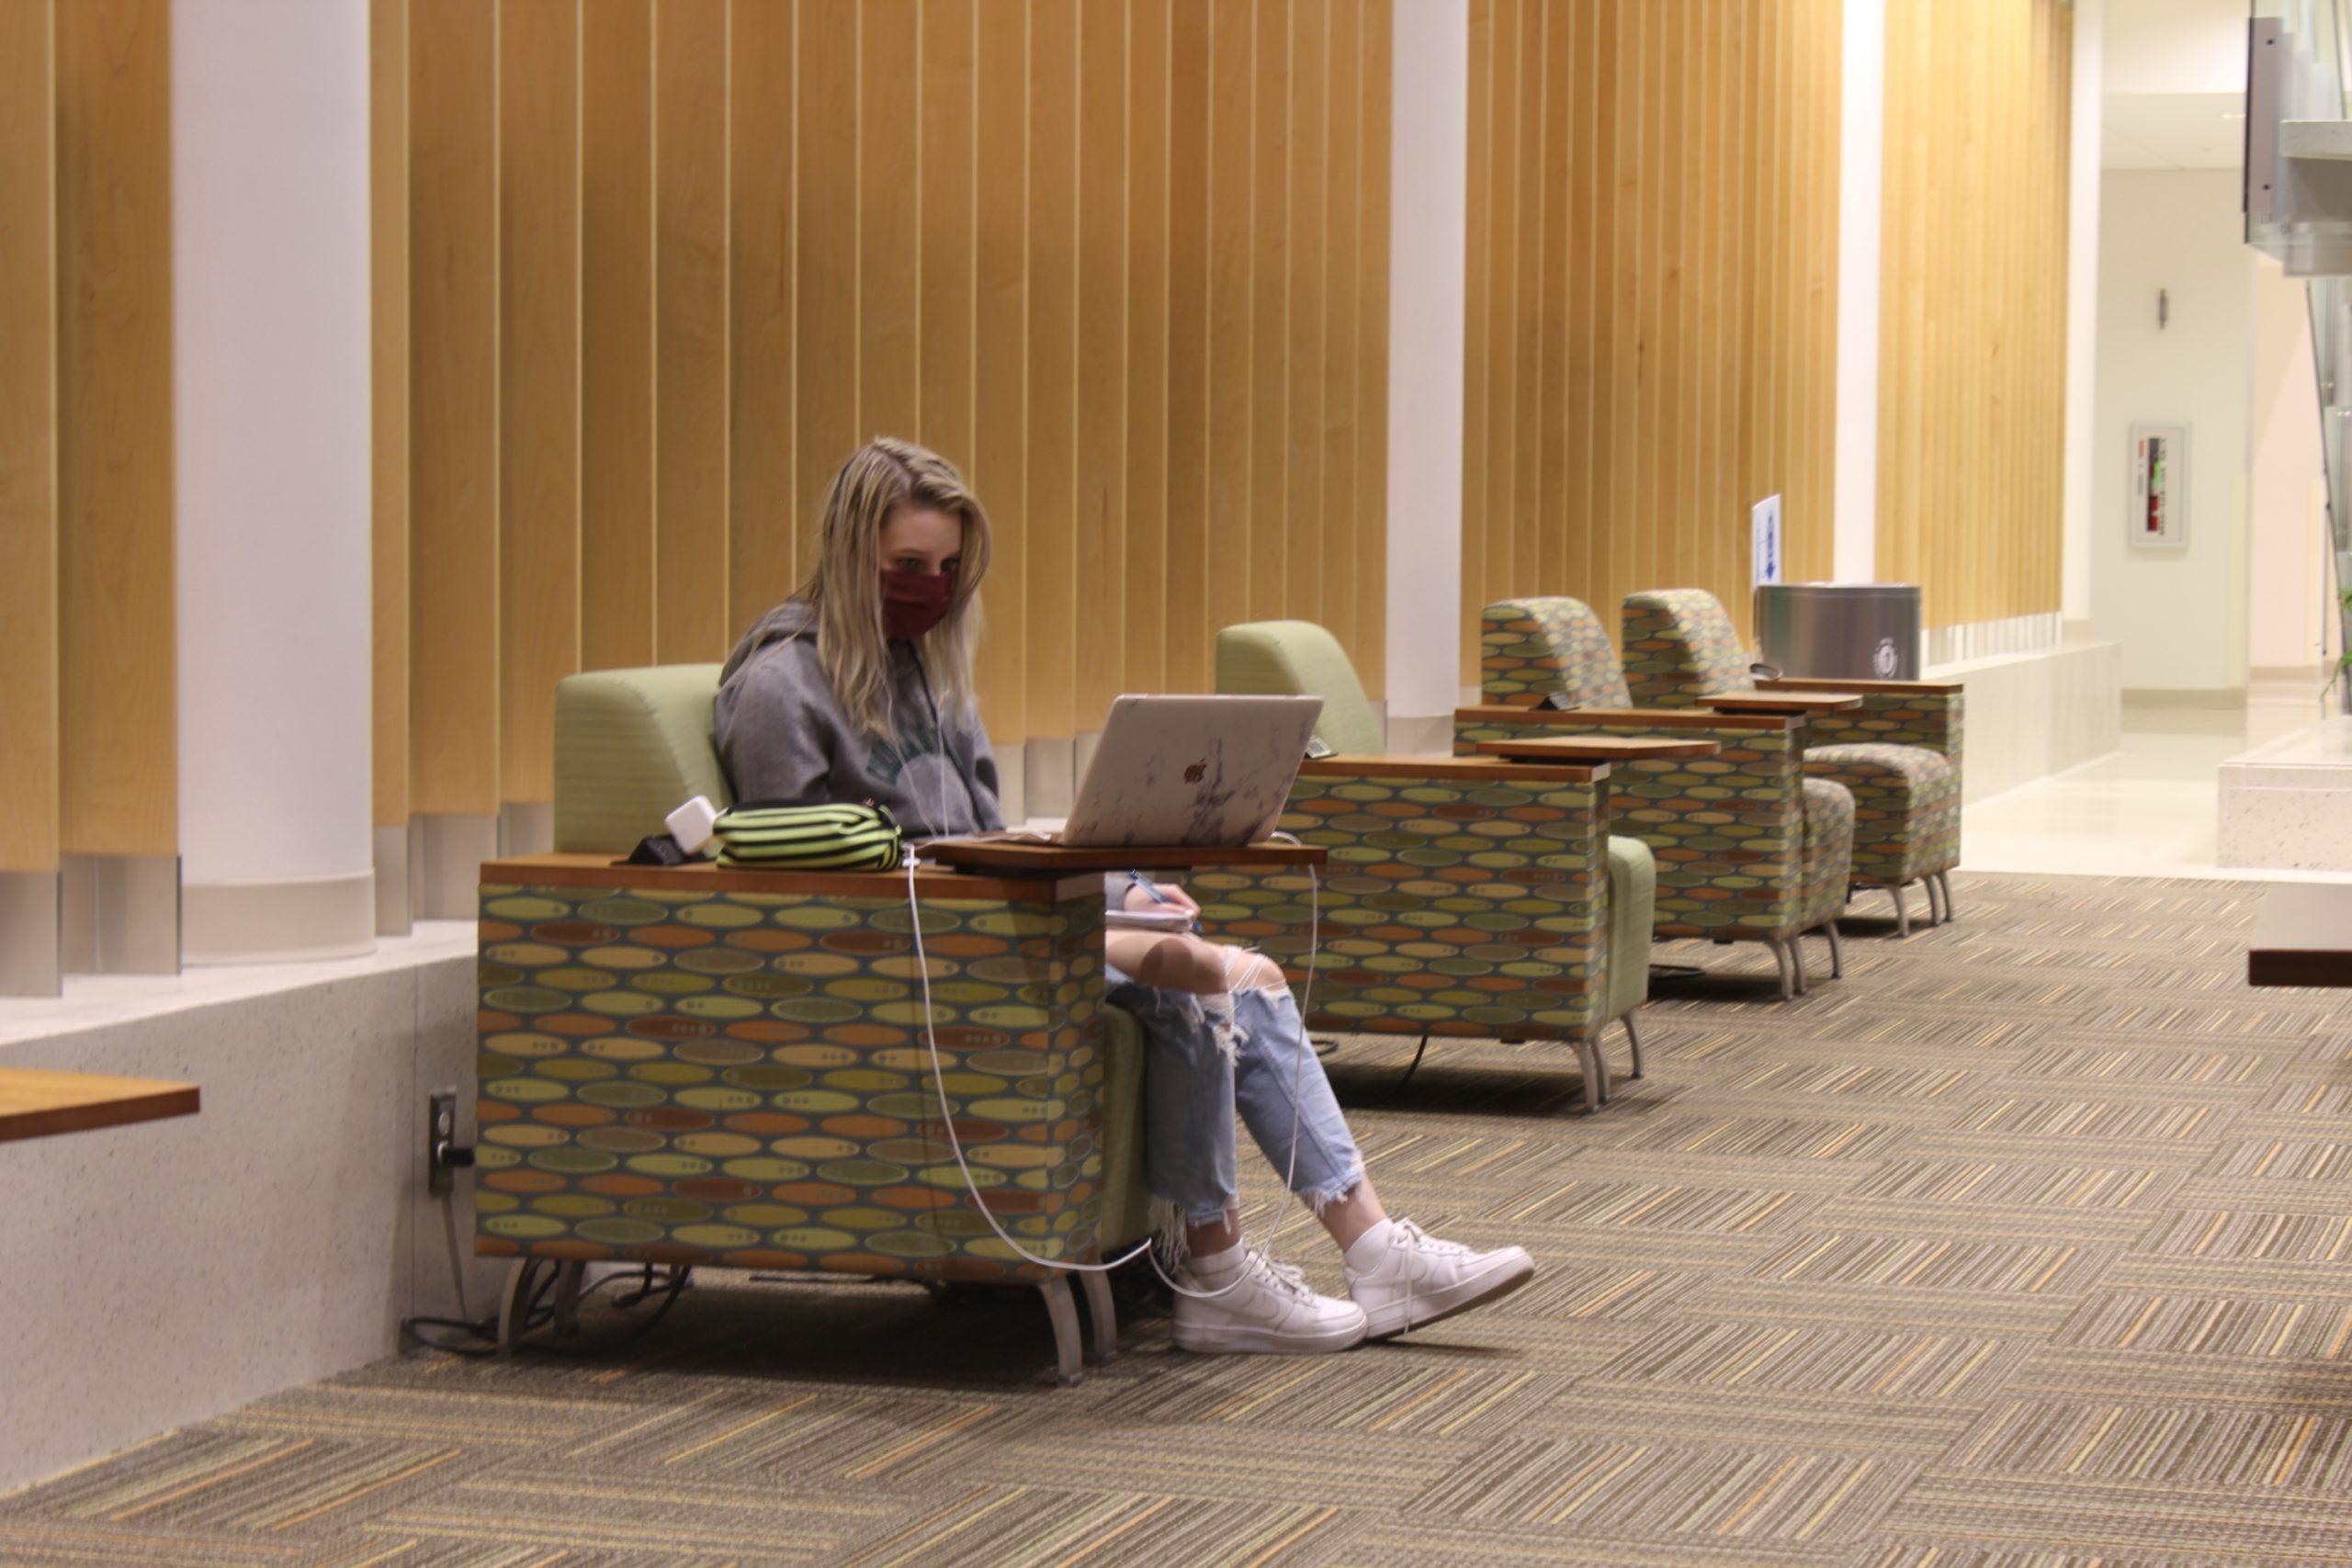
[2028, 1243]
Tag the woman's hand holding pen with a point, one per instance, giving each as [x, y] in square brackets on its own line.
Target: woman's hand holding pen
[1143, 895]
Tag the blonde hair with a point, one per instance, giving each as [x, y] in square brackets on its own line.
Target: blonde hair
[845, 587]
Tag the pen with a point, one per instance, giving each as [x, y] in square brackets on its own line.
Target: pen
[1138, 879]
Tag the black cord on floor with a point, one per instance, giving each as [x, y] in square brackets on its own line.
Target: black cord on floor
[481, 1333]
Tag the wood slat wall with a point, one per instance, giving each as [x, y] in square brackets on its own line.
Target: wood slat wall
[454, 396]
[117, 742]
[538, 374]
[388, 240]
[28, 707]
[1124, 261]
[1973, 337]
[1652, 295]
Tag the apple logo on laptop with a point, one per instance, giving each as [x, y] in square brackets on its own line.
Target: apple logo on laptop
[1196, 772]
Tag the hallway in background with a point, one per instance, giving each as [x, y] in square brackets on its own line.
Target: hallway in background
[2149, 809]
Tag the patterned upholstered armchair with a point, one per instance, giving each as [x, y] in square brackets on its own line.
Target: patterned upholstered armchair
[1747, 848]
[1899, 756]
[706, 1067]
[1465, 897]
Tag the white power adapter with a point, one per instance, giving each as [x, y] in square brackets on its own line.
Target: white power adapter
[691, 825]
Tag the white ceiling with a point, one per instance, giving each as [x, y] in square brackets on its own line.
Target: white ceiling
[2174, 75]
[2171, 130]
[2172, 46]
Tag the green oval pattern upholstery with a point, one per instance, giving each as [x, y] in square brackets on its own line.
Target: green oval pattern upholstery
[1738, 837]
[733, 1078]
[1532, 648]
[1449, 907]
[1907, 808]
[1681, 647]
[1828, 851]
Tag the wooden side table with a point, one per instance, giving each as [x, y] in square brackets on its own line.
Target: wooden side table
[1801, 705]
[38, 1103]
[1597, 748]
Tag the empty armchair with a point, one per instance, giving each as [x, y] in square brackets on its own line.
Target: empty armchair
[1466, 897]
[1747, 848]
[1899, 756]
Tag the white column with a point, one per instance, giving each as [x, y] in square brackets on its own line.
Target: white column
[1860, 181]
[1430, 161]
[271, 345]
[2082, 307]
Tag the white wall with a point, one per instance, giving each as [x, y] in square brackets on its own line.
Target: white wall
[2179, 615]
[2286, 568]
[2082, 176]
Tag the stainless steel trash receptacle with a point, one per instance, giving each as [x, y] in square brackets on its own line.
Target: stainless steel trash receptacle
[1840, 631]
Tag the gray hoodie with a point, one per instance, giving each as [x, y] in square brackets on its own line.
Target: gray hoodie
[783, 737]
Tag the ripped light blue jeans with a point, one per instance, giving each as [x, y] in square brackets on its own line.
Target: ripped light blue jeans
[1201, 1063]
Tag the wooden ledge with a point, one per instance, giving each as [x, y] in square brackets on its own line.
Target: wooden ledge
[706, 876]
[1801, 703]
[1624, 718]
[1596, 749]
[1475, 769]
[1016, 858]
[1896, 688]
[38, 1103]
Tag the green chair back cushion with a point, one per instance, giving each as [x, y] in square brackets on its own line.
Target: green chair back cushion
[1299, 659]
[630, 747]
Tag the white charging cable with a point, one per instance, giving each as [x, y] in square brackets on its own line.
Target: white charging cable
[947, 1113]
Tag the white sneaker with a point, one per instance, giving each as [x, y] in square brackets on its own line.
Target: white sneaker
[1415, 1278]
[1268, 1310]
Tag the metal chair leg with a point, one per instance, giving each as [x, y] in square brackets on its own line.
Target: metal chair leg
[1780, 956]
[1069, 1349]
[1797, 959]
[566, 1297]
[514, 1302]
[1902, 915]
[1633, 1043]
[1837, 951]
[1596, 1084]
[1103, 1314]
[1943, 880]
[1936, 915]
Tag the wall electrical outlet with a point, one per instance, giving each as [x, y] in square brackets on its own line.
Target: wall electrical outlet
[443, 1154]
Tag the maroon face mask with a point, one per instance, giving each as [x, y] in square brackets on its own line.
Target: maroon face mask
[914, 602]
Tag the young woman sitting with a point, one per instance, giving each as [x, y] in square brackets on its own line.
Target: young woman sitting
[859, 688]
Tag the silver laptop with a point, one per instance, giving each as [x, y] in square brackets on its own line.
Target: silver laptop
[1207, 771]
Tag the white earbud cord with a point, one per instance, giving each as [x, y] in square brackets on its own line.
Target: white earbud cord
[955, 1144]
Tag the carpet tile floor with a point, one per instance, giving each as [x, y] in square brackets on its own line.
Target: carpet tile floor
[2029, 1243]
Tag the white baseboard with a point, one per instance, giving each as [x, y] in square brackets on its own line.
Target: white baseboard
[2217, 698]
